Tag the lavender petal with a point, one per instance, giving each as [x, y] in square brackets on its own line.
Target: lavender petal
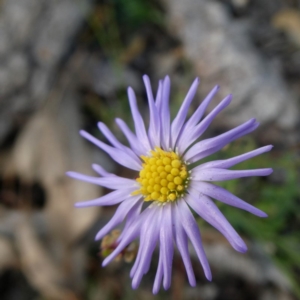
[158, 98]
[228, 163]
[132, 216]
[112, 198]
[194, 133]
[136, 263]
[101, 171]
[150, 214]
[191, 228]
[178, 122]
[112, 182]
[208, 211]
[221, 139]
[114, 141]
[149, 238]
[206, 152]
[138, 120]
[132, 233]
[226, 197]
[130, 236]
[214, 174]
[154, 126]
[182, 245]
[119, 156]
[165, 114]
[166, 244]
[198, 114]
[159, 275]
[137, 147]
[120, 214]
[194, 119]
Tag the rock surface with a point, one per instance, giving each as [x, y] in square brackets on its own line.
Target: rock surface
[34, 37]
[223, 54]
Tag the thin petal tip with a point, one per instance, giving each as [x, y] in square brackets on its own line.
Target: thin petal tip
[226, 101]
[263, 215]
[100, 125]
[146, 77]
[167, 80]
[95, 167]
[135, 282]
[241, 248]
[79, 205]
[83, 133]
[132, 272]
[266, 148]
[259, 213]
[97, 238]
[69, 173]
[166, 285]
[155, 291]
[105, 262]
[193, 283]
[269, 171]
[130, 92]
[208, 276]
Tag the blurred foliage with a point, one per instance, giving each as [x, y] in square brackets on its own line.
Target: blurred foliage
[278, 195]
[97, 108]
[115, 31]
[114, 22]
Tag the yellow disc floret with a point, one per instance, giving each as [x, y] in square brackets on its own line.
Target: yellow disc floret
[164, 176]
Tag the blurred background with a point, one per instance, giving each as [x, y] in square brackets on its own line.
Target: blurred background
[66, 64]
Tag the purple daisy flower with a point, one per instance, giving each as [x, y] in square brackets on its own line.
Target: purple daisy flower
[169, 177]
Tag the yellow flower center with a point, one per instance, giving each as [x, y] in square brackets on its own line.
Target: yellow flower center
[164, 176]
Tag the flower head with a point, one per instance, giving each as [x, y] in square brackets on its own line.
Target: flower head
[167, 158]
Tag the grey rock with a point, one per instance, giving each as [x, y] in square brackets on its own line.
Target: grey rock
[107, 78]
[14, 73]
[209, 291]
[35, 35]
[39, 84]
[223, 54]
[20, 18]
[270, 294]
[5, 41]
[18, 68]
[61, 21]
[254, 267]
